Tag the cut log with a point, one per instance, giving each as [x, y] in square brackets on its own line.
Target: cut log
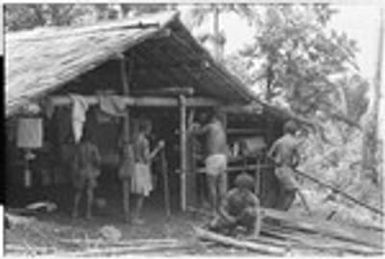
[321, 243]
[229, 241]
[125, 250]
[326, 228]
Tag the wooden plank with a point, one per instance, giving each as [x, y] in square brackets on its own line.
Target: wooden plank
[231, 169]
[258, 247]
[324, 227]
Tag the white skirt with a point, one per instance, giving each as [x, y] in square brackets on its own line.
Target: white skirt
[141, 182]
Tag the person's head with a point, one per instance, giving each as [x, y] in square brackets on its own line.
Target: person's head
[244, 181]
[290, 127]
[145, 126]
[216, 115]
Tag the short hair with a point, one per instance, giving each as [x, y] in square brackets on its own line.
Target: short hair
[244, 181]
[290, 127]
[144, 124]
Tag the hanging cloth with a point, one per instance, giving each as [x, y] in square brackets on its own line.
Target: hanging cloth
[112, 105]
[79, 111]
[30, 133]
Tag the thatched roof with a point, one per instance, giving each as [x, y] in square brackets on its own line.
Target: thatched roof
[40, 61]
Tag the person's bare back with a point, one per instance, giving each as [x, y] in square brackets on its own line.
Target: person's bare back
[286, 151]
[216, 139]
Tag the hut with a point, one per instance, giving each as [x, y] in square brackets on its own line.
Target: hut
[116, 72]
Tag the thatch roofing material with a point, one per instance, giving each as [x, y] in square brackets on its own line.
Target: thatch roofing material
[40, 61]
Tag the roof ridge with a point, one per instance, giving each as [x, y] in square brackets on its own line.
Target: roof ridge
[42, 33]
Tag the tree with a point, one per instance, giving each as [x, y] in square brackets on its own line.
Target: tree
[300, 58]
[201, 13]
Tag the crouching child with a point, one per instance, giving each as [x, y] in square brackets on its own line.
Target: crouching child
[239, 209]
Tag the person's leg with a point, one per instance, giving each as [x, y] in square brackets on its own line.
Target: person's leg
[222, 187]
[138, 211]
[90, 201]
[212, 186]
[126, 199]
[78, 196]
[289, 196]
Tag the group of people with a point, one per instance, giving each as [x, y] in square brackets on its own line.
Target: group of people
[238, 207]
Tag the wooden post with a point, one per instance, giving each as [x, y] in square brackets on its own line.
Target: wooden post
[257, 175]
[183, 149]
[126, 132]
[165, 183]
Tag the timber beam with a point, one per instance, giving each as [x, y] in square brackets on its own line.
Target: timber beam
[147, 101]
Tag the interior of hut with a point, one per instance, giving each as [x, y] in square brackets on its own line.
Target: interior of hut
[248, 138]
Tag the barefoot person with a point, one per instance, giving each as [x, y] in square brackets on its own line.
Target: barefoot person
[85, 174]
[239, 208]
[216, 160]
[284, 153]
[141, 183]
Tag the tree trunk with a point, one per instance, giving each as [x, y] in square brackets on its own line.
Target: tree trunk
[371, 139]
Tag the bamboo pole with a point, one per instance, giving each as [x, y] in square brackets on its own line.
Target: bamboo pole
[342, 193]
[126, 131]
[165, 183]
[183, 151]
[258, 247]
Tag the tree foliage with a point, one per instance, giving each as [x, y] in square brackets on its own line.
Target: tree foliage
[301, 59]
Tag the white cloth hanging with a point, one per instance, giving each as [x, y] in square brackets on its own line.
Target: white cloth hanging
[79, 111]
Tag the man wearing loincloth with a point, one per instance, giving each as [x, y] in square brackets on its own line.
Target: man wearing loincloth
[85, 173]
[141, 182]
[284, 153]
[239, 208]
[216, 159]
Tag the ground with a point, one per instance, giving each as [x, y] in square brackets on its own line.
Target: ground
[57, 233]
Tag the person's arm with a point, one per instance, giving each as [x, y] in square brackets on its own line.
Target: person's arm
[199, 130]
[272, 151]
[258, 220]
[223, 210]
[296, 157]
[158, 148]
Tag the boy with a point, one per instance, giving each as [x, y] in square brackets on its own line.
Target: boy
[141, 183]
[240, 207]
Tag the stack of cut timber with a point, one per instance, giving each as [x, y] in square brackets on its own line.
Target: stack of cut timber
[295, 233]
[244, 244]
[323, 235]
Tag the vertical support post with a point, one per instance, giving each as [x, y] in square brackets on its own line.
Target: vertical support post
[224, 116]
[126, 131]
[257, 175]
[183, 151]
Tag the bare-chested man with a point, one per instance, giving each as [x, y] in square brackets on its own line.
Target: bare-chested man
[284, 152]
[216, 159]
[141, 182]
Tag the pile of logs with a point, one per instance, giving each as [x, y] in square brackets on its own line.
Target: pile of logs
[285, 233]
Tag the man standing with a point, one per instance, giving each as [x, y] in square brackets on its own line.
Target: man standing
[85, 173]
[284, 153]
[216, 159]
[141, 182]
